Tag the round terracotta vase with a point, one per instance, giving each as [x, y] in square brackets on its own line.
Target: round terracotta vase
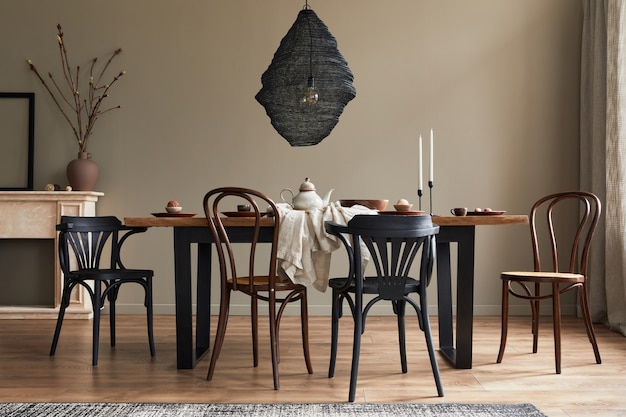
[82, 172]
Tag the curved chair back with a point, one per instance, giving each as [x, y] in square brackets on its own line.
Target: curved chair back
[215, 203]
[549, 219]
[87, 237]
[392, 242]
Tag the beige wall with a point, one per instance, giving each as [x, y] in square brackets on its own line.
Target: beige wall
[497, 80]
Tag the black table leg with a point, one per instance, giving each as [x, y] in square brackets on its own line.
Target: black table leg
[203, 303]
[461, 356]
[444, 301]
[189, 353]
[186, 354]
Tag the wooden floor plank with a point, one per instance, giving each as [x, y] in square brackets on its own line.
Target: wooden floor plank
[127, 373]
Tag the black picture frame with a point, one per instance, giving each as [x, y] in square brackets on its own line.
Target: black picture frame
[17, 141]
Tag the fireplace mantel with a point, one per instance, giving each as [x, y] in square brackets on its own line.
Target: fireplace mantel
[34, 215]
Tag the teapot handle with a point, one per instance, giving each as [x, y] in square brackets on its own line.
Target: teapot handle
[283, 198]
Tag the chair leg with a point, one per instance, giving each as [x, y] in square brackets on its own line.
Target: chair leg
[401, 308]
[556, 319]
[273, 338]
[356, 350]
[535, 306]
[431, 349]
[254, 315]
[504, 319]
[150, 316]
[220, 333]
[304, 319]
[97, 306]
[112, 297]
[584, 304]
[428, 335]
[334, 334]
[65, 302]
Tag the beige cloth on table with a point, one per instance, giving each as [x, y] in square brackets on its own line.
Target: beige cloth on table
[304, 247]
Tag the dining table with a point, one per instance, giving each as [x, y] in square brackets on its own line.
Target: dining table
[192, 342]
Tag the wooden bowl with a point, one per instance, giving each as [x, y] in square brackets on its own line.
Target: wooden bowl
[402, 207]
[379, 205]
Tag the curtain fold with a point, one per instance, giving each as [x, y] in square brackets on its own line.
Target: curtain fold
[602, 153]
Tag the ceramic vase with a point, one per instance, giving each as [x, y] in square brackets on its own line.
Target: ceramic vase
[82, 172]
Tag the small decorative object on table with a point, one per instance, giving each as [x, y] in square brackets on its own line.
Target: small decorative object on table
[485, 212]
[306, 198]
[459, 211]
[173, 206]
[402, 205]
[173, 209]
[82, 173]
[379, 205]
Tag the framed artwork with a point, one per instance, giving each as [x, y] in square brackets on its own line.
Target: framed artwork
[17, 141]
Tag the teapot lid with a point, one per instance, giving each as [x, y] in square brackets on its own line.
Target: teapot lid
[307, 185]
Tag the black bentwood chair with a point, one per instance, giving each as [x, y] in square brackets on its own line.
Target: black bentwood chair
[82, 241]
[569, 253]
[393, 242]
[258, 277]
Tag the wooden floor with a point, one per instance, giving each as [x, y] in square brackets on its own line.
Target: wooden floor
[128, 374]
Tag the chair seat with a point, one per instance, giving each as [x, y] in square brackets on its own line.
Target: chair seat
[262, 283]
[108, 274]
[370, 285]
[541, 276]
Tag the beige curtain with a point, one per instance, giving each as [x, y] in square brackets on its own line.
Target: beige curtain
[603, 152]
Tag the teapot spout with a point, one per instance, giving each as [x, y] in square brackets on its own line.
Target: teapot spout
[326, 199]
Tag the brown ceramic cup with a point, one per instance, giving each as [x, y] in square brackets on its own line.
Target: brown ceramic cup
[459, 211]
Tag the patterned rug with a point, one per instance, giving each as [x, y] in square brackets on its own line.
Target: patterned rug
[265, 410]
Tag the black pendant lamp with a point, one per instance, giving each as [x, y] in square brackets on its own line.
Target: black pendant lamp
[308, 83]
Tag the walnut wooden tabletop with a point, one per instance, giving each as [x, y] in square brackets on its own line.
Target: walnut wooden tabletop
[200, 221]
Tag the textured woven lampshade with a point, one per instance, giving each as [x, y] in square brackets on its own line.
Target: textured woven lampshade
[308, 49]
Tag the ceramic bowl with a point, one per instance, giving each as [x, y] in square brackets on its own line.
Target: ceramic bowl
[402, 207]
[174, 209]
[379, 205]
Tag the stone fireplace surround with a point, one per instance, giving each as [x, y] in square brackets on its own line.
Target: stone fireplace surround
[34, 215]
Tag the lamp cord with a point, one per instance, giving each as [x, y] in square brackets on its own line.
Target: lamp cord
[308, 22]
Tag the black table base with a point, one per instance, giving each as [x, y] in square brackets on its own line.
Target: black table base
[191, 348]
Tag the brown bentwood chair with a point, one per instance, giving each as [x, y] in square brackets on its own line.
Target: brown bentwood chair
[551, 237]
[394, 243]
[258, 278]
[84, 240]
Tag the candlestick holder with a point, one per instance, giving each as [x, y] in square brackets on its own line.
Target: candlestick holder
[430, 186]
[419, 198]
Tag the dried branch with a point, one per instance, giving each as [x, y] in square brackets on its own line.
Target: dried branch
[86, 108]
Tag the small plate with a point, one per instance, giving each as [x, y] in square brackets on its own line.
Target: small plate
[403, 213]
[485, 213]
[241, 214]
[173, 214]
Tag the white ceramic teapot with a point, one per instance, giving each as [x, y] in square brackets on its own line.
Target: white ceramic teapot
[307, 198]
